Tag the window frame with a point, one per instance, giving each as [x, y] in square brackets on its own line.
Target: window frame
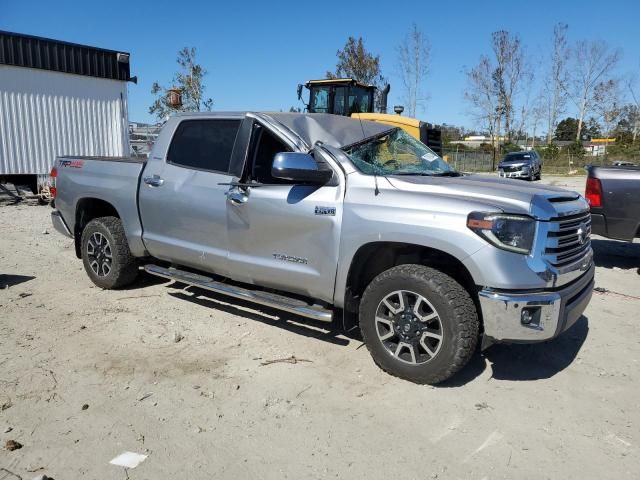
[187, 120]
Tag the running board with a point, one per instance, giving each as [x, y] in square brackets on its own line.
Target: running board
[273, 300]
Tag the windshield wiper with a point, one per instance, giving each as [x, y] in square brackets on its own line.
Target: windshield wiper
[450, 173]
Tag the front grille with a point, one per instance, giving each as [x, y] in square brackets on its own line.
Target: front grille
[568, 239]
[511, 169]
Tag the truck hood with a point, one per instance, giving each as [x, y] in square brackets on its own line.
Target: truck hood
[510, 196]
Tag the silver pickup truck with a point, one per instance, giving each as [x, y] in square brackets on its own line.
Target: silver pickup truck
[333, 218]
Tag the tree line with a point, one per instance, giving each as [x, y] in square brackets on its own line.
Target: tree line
[511, 94]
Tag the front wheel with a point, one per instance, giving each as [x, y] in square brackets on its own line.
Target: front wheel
[418, 323]
[106, 255]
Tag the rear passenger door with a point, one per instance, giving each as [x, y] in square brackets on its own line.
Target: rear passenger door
[182, 204]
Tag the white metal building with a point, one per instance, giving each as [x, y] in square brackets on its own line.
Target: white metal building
[59, 98]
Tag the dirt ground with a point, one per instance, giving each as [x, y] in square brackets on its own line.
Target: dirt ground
[87, 374]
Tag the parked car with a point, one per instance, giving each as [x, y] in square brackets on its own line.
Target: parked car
[614, 196]
[334, 218]
[527, 165]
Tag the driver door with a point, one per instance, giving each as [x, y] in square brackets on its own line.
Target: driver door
[284, 236]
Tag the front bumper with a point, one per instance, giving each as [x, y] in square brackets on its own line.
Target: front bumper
[59, 225]
[517, 174]
[549, 313]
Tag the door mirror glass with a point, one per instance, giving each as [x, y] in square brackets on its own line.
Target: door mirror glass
[299, 167]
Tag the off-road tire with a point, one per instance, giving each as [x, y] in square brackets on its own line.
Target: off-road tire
[457, 314]
[124, 266]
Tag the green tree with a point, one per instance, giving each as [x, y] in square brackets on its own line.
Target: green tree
[189, 81]
[355, 61]
[566, 129]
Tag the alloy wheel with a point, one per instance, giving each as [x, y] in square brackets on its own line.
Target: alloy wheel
[409, 327]
[99, 254]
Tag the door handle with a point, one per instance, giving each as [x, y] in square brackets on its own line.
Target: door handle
[237, 197]
[153, 181]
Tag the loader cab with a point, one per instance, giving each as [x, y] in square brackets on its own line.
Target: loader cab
[339, 96]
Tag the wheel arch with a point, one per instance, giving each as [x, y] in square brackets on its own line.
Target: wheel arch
[87, 209]
[373, 258]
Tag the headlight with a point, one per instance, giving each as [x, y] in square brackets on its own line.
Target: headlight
[514, 233]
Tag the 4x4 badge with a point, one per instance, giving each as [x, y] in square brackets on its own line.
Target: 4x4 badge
[326, 211]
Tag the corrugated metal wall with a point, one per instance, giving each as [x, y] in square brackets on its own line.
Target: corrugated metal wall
[44, 114]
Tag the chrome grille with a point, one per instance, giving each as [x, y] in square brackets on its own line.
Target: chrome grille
[509, 168]
[568, 239]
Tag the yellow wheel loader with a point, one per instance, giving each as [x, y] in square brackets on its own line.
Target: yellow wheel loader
[348, 97]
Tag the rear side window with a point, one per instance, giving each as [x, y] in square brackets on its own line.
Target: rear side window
[204, 144]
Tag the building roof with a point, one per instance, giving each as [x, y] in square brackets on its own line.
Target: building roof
[21, 50]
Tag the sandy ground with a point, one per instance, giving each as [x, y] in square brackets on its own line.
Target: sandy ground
[206, 407]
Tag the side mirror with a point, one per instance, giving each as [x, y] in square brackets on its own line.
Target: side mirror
[299, 167]
[299, 91]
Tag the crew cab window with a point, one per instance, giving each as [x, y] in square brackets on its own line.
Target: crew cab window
[267, 146]
[204, 144]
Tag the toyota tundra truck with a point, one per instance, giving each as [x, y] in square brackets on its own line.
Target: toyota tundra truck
[336, 219]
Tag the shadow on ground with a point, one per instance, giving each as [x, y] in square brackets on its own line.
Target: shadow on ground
[526, 362]
[276, 318]
[613, 253]
[8, 280]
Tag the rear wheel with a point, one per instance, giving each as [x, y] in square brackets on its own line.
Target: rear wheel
[418, 323]
[106, 255]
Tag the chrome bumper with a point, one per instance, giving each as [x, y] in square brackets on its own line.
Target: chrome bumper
[59, 225]
[517, 174]
[547, 314]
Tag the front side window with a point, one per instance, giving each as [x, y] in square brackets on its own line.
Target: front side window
[319, 101]
[267, 146]
[397, 153]
[204, 144]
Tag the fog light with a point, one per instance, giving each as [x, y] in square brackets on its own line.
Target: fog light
[526, 317]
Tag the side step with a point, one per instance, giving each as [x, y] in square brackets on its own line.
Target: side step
[273, 300]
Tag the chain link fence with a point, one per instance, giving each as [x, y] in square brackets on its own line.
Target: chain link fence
[565, 164]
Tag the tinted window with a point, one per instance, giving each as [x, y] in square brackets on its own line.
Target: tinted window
[204, 144]
[319, 101]
[267, 147]
[518, 156]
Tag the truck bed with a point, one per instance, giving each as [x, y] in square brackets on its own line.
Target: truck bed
[619, 215]
[112, 180]
[142, 160]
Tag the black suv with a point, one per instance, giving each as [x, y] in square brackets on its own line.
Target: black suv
[527, 165]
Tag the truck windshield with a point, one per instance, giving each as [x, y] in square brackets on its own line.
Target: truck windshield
[397, 153]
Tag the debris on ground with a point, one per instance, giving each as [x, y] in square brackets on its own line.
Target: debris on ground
[292, 359]
[177, 337]
[145, 396]
[12, 445]
[85, 406]
[6, 405]
[25, 294]
[128, 460]
[482, 406]
[8, 429]
[604, 290]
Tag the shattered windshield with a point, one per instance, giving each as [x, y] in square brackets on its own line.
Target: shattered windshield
[397, 153]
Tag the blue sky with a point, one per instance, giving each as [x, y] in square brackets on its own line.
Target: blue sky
[256, 52]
